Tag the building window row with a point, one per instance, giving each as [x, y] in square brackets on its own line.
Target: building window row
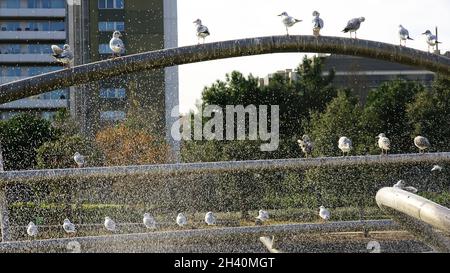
[112, 93]
[26, 49]
[111, 26]
[112, 115]
[25, 71]
[111, 4]
[32, 26]
[33, 4]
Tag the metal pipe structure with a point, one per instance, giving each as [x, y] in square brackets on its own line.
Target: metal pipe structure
[106, 69]
[418, 215]
[125, 242]
[228, 166]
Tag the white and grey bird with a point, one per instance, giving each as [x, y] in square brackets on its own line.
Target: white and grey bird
[63, 55]
[32, 230]
[317, 23]
[384, 143]
[402, 185]
[353, 25]
[79, 159]
[68, 226]
[181, 220]
[306, 145]
[263, 215]
[422, 143]
[436, 168]
[202, 30]
[210, 218]
[109, 224]
[403, 34]
[324, 213]
[149, 221]
[345, 145]
[431, 39]
[288, 21]
[116, 44]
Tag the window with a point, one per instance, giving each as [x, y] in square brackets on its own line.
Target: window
[112, 93]
[111, 26]
[110, 4]
[12, 4]
[104, 49]
[54, 95]
[113, 115]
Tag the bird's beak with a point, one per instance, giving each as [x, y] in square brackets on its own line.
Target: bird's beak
[279, 14]
[424, 33]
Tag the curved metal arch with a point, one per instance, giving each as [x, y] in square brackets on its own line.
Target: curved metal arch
[220, 50]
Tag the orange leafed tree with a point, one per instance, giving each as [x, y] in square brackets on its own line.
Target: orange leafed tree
[128, 146]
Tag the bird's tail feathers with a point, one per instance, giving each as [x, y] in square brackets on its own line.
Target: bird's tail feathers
[409, 38]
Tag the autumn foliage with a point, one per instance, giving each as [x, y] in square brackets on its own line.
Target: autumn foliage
[123, 145]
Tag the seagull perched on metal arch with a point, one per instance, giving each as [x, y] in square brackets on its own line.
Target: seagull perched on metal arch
[63, 55]
[288, 21]
[116, 44]
[317, 23]
[403, 33]
[202, 30]
[353, 25]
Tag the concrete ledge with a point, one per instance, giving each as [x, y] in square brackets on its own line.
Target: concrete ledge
[229, 166]
[220, 50]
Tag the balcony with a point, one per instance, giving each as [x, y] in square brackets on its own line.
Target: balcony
[31, 103]
[26, 58]
[33, 13]
[32, 35]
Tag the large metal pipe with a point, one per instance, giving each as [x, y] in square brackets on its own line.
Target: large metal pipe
[418, 215]
[219, 50]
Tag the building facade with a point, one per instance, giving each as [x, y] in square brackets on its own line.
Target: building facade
[28, 28]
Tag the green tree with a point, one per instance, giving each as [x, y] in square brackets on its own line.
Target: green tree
[385, 112]
[340, 118]
[20, 137]
[429, 114]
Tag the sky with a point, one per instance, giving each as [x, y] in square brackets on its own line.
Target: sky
[235, 19]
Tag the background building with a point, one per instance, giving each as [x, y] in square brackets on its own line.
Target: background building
[27, 30]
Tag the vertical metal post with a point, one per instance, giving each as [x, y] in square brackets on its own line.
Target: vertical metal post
[437, 39]
[2, 164]
[4, 215]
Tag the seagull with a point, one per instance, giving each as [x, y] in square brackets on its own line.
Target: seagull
[436, 168]
[63, 55]
[402, 185]
[149, 222]
[353, 26]
[324, 213]
[431, 39]
[262, 217]
[202, 31]
[288, 21]
[384, 143]
[110, 225]
[32, 230]
[210, 219]
[345, 145]
[116, 44]
[422, 143]
[317, 23]
[403, 33]
[69, 227]
[79, 159]
[306, 145]
[181, 220]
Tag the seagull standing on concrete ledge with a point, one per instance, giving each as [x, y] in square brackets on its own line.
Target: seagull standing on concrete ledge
[353, 26]
[431, 40]
[109, 224]
[384, 143]
[403, 33]
[32, 230]
[79, 159]
[116, 44]
[288, 21]
[306, 145]
[324, 213]
[210, 219]
[402, 185]
[69, 227]
[262, 217]
[63, 55]
[436, 168]
[317, 24]
[345, 145]
[202, 31]
[422, 143]
[149, 221]
[181, 220]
